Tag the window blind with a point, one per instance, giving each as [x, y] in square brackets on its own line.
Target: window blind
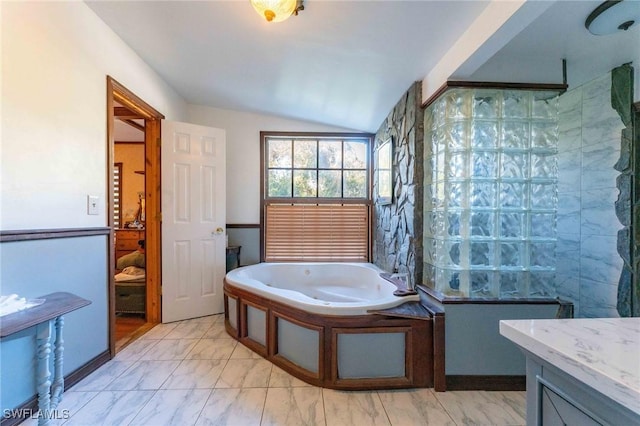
[317, 232]
[117, 192]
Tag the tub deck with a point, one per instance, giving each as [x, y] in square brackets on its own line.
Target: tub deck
[385, 349]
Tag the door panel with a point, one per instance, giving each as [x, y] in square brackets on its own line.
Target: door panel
[193, 207]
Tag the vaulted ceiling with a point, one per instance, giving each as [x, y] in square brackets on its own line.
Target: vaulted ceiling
[345, 63]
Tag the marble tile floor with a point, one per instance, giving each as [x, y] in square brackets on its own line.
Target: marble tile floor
[193, 373]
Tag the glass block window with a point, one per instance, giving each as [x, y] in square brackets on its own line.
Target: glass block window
[491, 193]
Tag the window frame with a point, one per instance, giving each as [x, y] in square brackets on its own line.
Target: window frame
[343, 136]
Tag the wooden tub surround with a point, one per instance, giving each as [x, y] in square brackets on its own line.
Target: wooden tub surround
[387, 349]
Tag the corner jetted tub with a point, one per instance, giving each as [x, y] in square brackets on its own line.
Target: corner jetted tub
[331, 324]
[321, 288]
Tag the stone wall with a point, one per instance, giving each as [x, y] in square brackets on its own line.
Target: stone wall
[398, 226]
[621, 101]
[636, 214]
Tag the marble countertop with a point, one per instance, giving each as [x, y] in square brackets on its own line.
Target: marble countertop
[603, 353]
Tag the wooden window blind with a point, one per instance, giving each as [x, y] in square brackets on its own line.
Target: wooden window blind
[117, 194]
[317, 232]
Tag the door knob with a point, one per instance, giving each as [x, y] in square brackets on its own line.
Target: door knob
[219, 231]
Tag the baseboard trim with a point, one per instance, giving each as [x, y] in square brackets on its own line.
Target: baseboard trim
[71, 379]
[488, 383]
[76, 376]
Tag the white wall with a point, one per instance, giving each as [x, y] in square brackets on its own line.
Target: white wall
[243, 153]
[588, 69]
[55, 59]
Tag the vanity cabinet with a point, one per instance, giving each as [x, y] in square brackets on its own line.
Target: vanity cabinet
[559, 399]
[582, 371]
[127, 241]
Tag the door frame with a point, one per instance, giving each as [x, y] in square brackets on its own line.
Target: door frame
[116, 92]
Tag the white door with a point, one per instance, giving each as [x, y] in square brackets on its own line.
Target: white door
[193, 220]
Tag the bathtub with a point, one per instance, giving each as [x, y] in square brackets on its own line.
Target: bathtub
[321, 288]
[328, 324]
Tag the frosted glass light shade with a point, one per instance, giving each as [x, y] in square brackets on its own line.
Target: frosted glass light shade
[274, 10]
[613, 16]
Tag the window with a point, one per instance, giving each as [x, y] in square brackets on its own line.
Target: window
[316, 197]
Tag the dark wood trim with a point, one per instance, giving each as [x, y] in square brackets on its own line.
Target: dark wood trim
[636, 106]
[439, 363]
[76, 376]
[153, 222]
[487, 383]
[318, 200]
[111, 247]
[451, 300]
[263, 137]
[320, 135]
[560, 87]
[300, 371]
[131, 101]
[316, 135]
[49, 234]
[128, 142]
[123, 113]
[133, 124]
[116, 92]
[243, 226]
[406, 381]
[435, 95]
[372, 207]
[55, 305]
[233, 332]
[252, 344]
[420, 356]
[70, 380]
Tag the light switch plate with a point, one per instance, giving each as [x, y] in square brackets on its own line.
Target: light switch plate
[92, 204]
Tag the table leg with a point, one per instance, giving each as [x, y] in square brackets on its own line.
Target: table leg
[58, 355]
[43, 340]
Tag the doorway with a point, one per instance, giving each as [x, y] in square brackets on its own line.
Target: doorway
[141, 295]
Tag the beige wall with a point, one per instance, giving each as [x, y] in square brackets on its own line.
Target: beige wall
[55, 60]
[132, 158]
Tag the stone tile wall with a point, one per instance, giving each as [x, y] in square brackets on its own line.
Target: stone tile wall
[398, 226]
[589, 265]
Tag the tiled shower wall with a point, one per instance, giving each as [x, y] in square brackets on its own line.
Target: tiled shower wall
[588, 265]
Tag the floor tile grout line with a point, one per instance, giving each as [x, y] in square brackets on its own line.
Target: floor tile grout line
[287, 385]
[324, 406]
[211, 391]
[443, 407]
[384, 408]
[82, 406]
[142, 407]
[264, 405]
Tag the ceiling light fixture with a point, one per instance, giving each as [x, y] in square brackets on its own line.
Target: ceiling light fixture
[613, 16]
[277, 10]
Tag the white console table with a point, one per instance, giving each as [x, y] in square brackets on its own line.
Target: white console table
[45, 318]
[583, 371]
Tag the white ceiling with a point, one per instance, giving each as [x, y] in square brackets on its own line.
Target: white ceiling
[342, 63]
[535, 54]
